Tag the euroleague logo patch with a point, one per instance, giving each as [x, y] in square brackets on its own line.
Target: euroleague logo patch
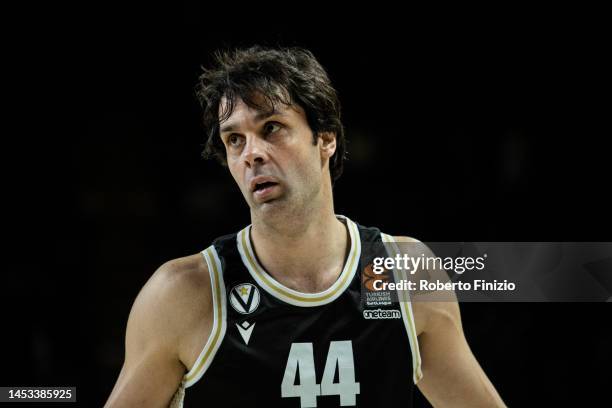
[370, 294]
[368, 277]
[244, 298]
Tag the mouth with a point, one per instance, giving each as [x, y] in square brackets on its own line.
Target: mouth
[263, 186]
[264, 190]
[261, 182]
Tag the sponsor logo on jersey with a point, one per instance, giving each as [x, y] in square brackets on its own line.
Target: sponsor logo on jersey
[382, 314]
[244, 298]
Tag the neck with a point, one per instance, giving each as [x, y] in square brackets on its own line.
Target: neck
[306, 253]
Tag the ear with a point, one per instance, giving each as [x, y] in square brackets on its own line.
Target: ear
[327, 144]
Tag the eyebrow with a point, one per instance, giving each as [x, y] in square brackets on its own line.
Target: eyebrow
[258, 118]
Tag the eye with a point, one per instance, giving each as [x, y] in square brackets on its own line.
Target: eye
[271, 127]
[234, 140]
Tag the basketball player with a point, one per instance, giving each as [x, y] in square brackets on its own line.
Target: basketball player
[271, 316]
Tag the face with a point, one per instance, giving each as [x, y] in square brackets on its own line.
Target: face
[273, 158]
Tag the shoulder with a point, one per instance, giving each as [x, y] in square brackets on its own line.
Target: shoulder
[429, 314]
[167, 322]
[175, 302]
[177, 281]
[180, 276]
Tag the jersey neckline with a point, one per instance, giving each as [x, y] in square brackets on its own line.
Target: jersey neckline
[291, 296]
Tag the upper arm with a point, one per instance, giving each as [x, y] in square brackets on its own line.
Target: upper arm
[451, 373]
[157, 327]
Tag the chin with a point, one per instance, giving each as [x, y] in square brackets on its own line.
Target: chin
[273, 205]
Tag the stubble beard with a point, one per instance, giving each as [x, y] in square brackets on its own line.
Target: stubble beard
[289, 211]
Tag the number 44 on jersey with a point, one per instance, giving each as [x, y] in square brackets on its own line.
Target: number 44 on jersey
[340, 355]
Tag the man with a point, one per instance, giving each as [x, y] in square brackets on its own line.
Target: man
[272, 315]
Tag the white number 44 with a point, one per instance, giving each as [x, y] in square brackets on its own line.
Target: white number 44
[301, 355]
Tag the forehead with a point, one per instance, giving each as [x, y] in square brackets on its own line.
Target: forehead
[258, 109]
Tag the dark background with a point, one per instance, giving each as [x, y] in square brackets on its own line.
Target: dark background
[459, 129]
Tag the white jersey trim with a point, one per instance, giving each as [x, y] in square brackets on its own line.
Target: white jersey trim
[291, 296]
[219, 326]
[407, 314]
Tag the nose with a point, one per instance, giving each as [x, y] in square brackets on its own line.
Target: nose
[254, 151]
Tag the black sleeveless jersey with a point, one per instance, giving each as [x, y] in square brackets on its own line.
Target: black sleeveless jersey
[271, 346]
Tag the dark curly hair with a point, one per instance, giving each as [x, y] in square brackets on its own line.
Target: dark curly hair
[291, 76]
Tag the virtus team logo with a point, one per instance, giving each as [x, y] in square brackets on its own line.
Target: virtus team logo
[244, 298]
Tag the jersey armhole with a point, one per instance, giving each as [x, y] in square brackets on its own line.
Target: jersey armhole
[219, 325]
[406, 309]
